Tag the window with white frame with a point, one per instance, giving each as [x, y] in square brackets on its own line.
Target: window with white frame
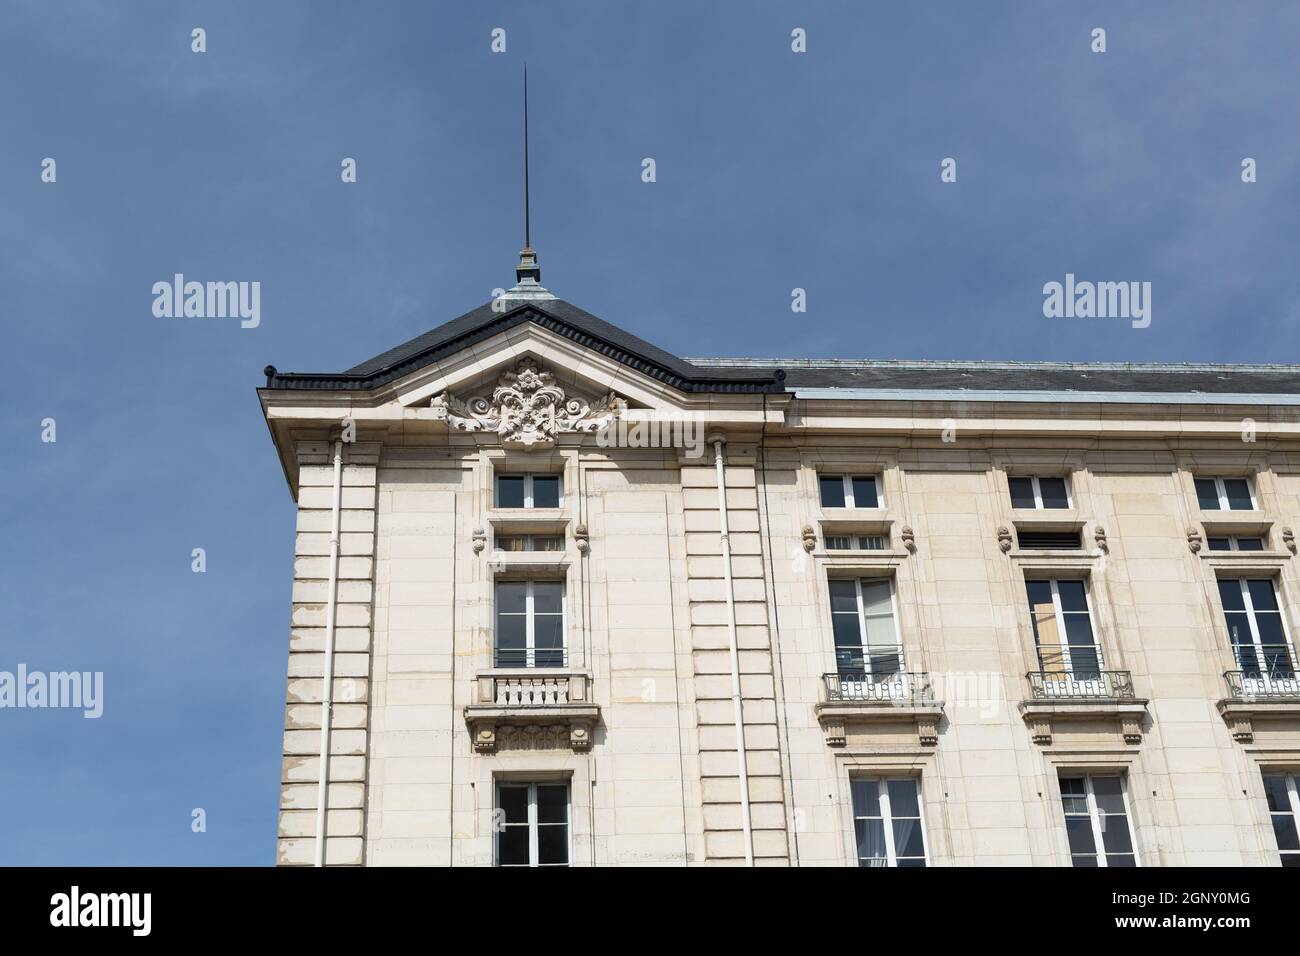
[1235, 542]
[887, 825]
[1283, 792]
[530, 624]
[1097, 820]
[1224, 494]
[850, 491]
[855, 542]
[1256, 627]
[529, 542]
[1033, 491]
[532, 824]
[528, 490]
[862, 623]
[1063, 633]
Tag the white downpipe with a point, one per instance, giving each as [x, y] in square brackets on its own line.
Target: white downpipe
[327, 693]
[735, 654]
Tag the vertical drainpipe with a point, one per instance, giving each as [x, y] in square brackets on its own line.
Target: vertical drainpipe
[327, 692]
[720, 463]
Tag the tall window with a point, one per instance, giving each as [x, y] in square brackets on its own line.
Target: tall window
[862, 621]
[1284, 808]
[1096, 821]
[887, 821]
[1035, 492]
[528, 491]
[532, 824]
[1224, 494]
[530, 624]
[1063, 634]
[1256, 628]
[850, 491]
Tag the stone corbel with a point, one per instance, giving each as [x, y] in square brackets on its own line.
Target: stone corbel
[1040, 729]
[909, 538]
[1194, 540]
[485, 738]
[1099, 535]
[809, 538]
[581, 538]
[1288, 539]
[480, 540]
[1005, 541]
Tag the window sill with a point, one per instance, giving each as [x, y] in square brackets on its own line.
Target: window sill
[532, 709]
[1100, 716]
[1241, 714]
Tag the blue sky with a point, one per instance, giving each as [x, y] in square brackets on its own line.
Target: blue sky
[774, 171]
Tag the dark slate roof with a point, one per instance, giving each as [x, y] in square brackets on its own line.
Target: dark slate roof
[553, 314]
[1030, 376]
[783, 375]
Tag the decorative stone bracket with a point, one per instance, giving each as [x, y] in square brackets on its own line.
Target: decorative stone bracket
[1047, 717]
[531, 709]
[1240, 714]
[837, 717]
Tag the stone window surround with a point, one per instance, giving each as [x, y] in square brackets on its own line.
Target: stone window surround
[1095, 763]
[1269, 761]
[883, 464]
[1258, 473]
[852, 565]
[538, 767]
[919, 764]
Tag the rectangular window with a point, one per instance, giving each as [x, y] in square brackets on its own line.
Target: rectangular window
[850, 491]
[1224, 494]
[859, 542]
[530, 624]
[887, 821]
[529, 542]
[532, 824]
[1235, 542]
[1096, 821]
[862, 621]
[1050, 540]
[1256, 628]
[1063, 635]
[528, 491]
[1284, 809]
[1035, 492]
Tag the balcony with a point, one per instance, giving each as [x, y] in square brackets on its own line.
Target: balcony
[1072, 691]
[856, 699]
[1266, 691]
[532, 708]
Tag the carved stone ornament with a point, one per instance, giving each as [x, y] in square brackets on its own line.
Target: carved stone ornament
[1288, 539]
[528, 410]
[582, 538]
[1100, 537]
[1004, 539]
[809, 538]
[908, 537]
[480, 540]
[1194, 539]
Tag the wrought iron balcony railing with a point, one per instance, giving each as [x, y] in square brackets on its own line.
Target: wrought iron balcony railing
[1277, 684]
[895, 687]
[530, 657]
[1080, 684]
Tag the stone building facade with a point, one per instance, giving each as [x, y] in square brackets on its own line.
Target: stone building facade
[594, 604]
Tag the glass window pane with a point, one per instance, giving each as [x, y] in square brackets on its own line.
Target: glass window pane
[1250, 544]
[866, 798]
[1262, 595]
[864, 493]
[513, 802]
[512, 846]
[1238, 490]
[1022, 492]
[1275, 792]
[838, 543]
[1285, 830]
[511, 639]
[832, 490]
[1053, 492]
[512, 542]
[1230, 594]
[1073, 595]
[548, 597]
[844, 597]
[1084, 861]
[1115, 837]
[1219, 544]
[871, 839]
[1079, 831]
[912, 863]
[510, 491]
[1109, 794]
[907, 838]
[512, 597]
[1207, 494]
[902, 800]
[552, 803]
[1121, 860]
[1291, 859]
[546, 491]
[552, 845]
